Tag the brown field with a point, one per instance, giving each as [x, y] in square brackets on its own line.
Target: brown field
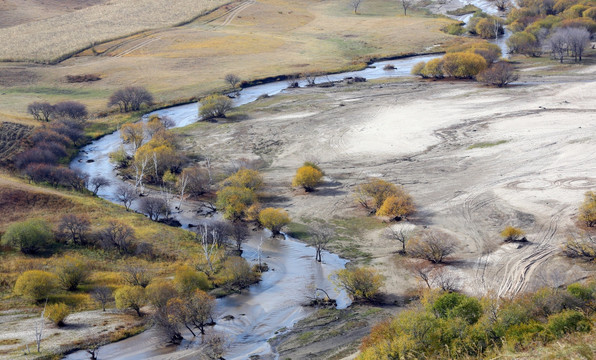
[53, 38]
[15, 12]
[254, 40]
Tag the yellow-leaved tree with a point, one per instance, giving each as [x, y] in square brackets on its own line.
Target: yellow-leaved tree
[274, 219]
[308, 176]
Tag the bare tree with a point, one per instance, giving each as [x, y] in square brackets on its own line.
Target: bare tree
[292, 81]
[41, 111]
[578, 39]
[153, 207]
[75, 226]
[401, 234]
[126, 195]
[420, 269]
[130, 98]
[182, 184]
[499, 74]
[198, 180]
[72, 110]
[321, 236]
[167, 122]
[355, 4]
[433, 246]
[406, 4]
[233, 80]
[137, 275]
[207, 238]
[139, 167]
[502, 5]
[97, 183]
[118, 235]
[103, 295]
[216, 346]
[444, 280]
[39, 326]
[239, 234]
[311, 78]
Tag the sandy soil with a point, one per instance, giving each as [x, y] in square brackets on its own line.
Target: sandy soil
[417, 134]
[18, 331]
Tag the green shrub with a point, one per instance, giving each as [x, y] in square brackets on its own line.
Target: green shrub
[581, 292]
[568, 321]
[35, 285]
[57, 313]
[233, 201]
[30, 236]
[454, 29]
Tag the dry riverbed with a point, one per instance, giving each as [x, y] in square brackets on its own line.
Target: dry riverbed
[475, 159]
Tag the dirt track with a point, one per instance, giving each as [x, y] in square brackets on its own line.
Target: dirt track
[417, 134]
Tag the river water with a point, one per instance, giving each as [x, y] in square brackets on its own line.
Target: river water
[276, 302]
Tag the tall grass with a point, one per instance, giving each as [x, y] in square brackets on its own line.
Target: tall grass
[54, 39]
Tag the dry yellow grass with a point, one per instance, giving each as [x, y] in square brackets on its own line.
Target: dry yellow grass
[268, 38]
[52, 39]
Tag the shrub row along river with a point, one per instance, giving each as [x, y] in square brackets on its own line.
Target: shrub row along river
[265, 308]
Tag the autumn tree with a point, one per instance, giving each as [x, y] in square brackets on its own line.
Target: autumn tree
[373, 193]
[583, 247]
[463, 65]
[133, 134]
[499, 74]
[158, 293]
[398, 205]
[236, 273]
[57, 313]
[433, 69]
[215, 106]
[72, 271]
[132, 297]
[361, 283]
[36, 285]
[587, 210]
[130, 98]
[187, 280]
[274, 219]
[510, 234]
[199, 308]
[30, 236]
[434, 246]
[307, 177]
[103, 295]
[524, 43]
[233, 201]
[245, 178]
[75, 227]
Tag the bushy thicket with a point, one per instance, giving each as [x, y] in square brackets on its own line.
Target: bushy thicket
[451, 325]
[562, 28]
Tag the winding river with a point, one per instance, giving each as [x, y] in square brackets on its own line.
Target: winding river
[248, 319]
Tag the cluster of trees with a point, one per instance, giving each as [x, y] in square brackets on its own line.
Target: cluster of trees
[478, 60]
[65, 110]
[385, 199]
[131, 98]
[50, 144]
[238, 200]
[486, 26]
[562, 28]
[442, 324]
